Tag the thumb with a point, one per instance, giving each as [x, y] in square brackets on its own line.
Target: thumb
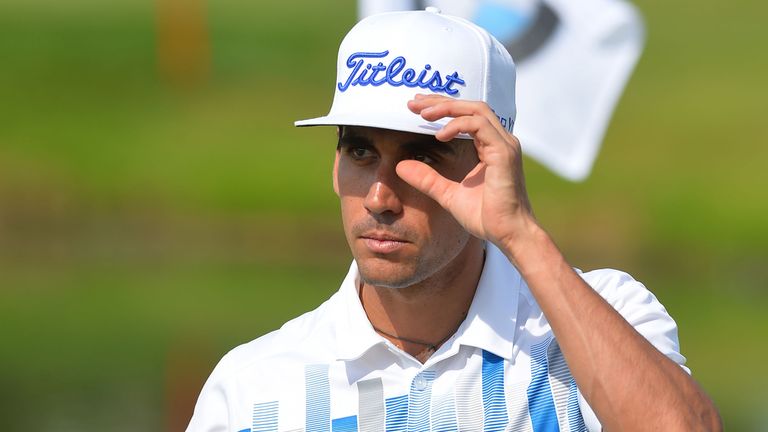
[426, 180]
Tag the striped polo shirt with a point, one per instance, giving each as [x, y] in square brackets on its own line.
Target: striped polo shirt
[329, 371]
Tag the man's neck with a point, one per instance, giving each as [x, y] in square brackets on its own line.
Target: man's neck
[419, 318]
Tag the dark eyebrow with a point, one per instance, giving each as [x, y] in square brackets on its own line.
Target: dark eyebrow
[430, 143]
[427, 143]
[347, 140]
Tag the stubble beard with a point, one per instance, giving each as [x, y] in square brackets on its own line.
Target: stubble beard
[398, 278]
[417, 271]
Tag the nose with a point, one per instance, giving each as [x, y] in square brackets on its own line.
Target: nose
[382, 196]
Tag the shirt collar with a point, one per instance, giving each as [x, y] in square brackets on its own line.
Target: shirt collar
[354, 333]
[492, 318]
[490, 323]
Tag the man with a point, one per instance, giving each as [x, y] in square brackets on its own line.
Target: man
[458, 312]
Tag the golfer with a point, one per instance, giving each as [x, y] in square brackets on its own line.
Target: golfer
[458, 313]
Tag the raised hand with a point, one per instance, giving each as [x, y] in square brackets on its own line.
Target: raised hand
[491, 202]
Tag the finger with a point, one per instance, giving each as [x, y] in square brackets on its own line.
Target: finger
[435, 108]
[462, 107]
[421, 101]
[456, 109]
[478, 127]
[426, 180]
[492, 148]
[429, 96]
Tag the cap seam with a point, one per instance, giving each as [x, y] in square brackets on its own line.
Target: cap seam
[486, 51]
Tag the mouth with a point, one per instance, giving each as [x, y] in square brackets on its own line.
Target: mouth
[382, 243]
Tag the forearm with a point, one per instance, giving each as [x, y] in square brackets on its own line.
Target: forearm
[629, 383]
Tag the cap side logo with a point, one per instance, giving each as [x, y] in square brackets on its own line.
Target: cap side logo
[363, 72]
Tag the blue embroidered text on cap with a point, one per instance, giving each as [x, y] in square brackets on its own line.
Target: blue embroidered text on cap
[394, 75]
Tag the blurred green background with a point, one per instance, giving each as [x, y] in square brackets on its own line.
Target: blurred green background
[152, 219]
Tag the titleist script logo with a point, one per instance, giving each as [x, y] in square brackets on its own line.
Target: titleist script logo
[363, 72]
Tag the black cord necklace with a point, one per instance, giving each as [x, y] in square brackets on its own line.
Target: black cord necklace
[430, 347]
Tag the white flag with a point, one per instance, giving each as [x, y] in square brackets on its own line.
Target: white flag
[573, 59]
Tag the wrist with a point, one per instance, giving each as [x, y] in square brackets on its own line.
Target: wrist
[530, 248]
[520, 240]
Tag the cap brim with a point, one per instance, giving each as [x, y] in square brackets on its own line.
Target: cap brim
[401, 121]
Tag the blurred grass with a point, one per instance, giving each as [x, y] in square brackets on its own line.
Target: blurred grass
[138, 216]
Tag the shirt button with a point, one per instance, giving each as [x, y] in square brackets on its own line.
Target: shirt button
[419, 383]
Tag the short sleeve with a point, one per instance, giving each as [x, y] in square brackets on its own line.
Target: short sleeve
[643, 311]
[211, 410]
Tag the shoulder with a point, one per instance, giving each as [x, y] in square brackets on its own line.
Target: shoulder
[640, 307]
[617, 287]
[626, 294]
[304, 339]
[256, 370]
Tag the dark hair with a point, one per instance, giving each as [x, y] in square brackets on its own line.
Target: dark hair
[341, 133]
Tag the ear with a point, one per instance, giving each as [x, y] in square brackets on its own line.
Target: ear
[336, 173]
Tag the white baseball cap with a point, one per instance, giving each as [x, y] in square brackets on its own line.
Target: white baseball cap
[388, 58]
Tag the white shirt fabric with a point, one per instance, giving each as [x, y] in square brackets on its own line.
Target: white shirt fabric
[502, 370]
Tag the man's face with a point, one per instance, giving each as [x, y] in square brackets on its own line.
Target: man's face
[398, 236]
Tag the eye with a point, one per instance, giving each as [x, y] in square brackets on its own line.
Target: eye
[422, 157]
[359, 152]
